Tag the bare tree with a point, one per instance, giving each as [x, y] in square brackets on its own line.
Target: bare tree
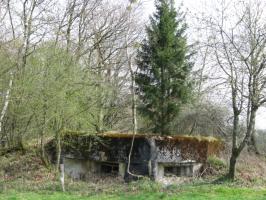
[237, 39]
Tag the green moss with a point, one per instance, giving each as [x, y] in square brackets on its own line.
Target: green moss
[216, 162]
[114, 134]
[199, 138]
[74, 133]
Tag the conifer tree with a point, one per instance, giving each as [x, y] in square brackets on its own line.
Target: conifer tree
[163, 62]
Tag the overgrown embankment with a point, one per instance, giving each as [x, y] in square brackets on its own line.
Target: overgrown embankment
[23, 176]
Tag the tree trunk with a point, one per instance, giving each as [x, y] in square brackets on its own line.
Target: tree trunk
[69, 25]
[6, 102]
[100, 117]
[235, 150]
[43, 154]
[100, 63]
[133, 97]
[43, 125]
[232, 166]
[58, 150]
[62, 176]
[252, 147]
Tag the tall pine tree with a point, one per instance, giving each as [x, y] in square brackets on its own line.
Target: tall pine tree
[163, 61]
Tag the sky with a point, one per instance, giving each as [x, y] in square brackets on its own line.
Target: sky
[195, 7]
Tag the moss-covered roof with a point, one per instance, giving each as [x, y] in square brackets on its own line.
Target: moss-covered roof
[158, 137]
[114, 134]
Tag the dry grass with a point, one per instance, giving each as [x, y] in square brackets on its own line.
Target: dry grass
[251, 168]
[28, 166]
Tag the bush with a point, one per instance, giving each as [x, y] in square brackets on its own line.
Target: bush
[216, 163]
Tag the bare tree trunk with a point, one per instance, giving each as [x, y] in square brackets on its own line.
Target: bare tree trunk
[237, 150]
[134, 109]
[42, 148]
[69, 25]
[58, 149]
[6, 102]
[11, 20]
[100, 119]
[62, 176]
[58, 126]
[232, 166]
[133, 94]
[100, 63]
[234, 154]
[43, 125]
[43, 155]
[252, 146]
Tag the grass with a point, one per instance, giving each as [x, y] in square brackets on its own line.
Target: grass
[145, 191]
[216, 162]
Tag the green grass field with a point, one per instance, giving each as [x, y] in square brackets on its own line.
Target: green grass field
[213, 192]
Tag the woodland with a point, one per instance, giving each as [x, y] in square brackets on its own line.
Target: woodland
[95, 66]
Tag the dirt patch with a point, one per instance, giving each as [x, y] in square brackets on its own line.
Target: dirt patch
[251, 167]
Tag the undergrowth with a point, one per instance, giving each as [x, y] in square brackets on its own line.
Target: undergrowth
[24, 172]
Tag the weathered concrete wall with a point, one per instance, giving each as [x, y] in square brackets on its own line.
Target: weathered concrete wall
[122, 169]
[80, 169]
[168, 152]
[160, 172]
[197, 169]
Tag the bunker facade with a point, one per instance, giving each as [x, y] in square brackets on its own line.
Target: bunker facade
[153, 156]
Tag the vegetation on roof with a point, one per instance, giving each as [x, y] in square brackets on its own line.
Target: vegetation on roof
[173, 137]
[75, 133]
[114, 134]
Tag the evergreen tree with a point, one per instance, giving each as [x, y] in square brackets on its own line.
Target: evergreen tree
[163, 61]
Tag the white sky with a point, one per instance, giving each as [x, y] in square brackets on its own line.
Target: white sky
[197, 7]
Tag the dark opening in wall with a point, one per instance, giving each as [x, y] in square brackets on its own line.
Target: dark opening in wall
[182, 170]
[109, 168]
[172, 171]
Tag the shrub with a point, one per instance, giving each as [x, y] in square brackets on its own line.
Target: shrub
[216, 163]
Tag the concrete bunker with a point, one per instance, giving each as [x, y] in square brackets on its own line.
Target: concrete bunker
[153, 156]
